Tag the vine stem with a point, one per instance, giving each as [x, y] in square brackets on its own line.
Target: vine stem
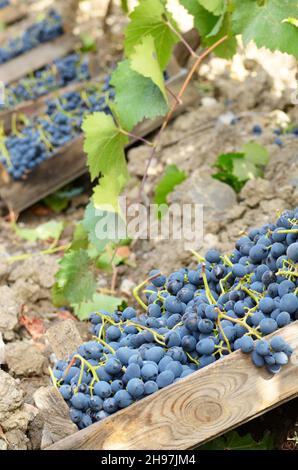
[185, 84]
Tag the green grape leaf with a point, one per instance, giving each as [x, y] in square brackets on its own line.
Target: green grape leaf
[79, 238]
[214, 6]
[255, 153]
[104, 144]
[99, 302]
[75, 281]
[204, 20]
[59, 200]
[233, 441]
[148, 19]
[91, 224]
[264, 24]
[237, 168]
[244, 170]
[212, 28]
[171, 178]
[106, 193]
[49, 230]
[137, 97]
[144, 61]
[124, 6]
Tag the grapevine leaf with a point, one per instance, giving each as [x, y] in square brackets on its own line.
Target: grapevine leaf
[49, 230]
[124, 6]
[244, 170]
[212, 28]
[148, 19]
[104, 144]
[99, 302]
[59, 200]
[144, 61]
[172, 177]
[91, 224]
[204, 20]
[106, 193]
[264, 24]
[79, 238]
[228, 48]
[214, 6]
[75, 281]
[256, 153]
[137, 97]
[233, 441]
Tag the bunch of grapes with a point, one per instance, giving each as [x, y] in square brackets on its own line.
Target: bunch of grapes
[192, 318]
[42, 31]
[24, 150]
[70, 69]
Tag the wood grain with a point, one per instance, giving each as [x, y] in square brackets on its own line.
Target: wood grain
[69, 162]
[12, 14]
[196, 409]
[64, 338]
[36, 58]
[55, 413]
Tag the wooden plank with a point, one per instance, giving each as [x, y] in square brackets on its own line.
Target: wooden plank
[36, 58]
[12, 14]
[64, 338]
[33, 108]
[55, 413]
[69, 162]
[196, 409]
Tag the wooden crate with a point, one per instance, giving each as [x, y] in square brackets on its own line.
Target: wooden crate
[37, 58]
[69, 162]
[12, 13]
[186, 414]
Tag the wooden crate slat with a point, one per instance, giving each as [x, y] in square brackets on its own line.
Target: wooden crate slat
[33, 108]
[36, 58]
[196, 409]
[70, 162]
[12, 14]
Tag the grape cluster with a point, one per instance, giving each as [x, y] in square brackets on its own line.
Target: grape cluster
[193, 318]
[42, 31]
[70, 69]
[39, 140]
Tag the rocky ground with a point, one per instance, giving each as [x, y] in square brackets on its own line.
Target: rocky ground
[192, 142]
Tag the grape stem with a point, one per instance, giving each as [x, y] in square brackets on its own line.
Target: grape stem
[185, 84]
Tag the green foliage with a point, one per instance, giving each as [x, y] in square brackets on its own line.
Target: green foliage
[235, 169]
[88, 43]
[148, 19]
[264, 24]
[48, 231]
[137, 97]
[124, 5]
[104, 145]
[233, 441]
[75, 281]
[59, 200]
[214, 6]
[144, 61]
[97, 303]
[92, 217]
[171, 178]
